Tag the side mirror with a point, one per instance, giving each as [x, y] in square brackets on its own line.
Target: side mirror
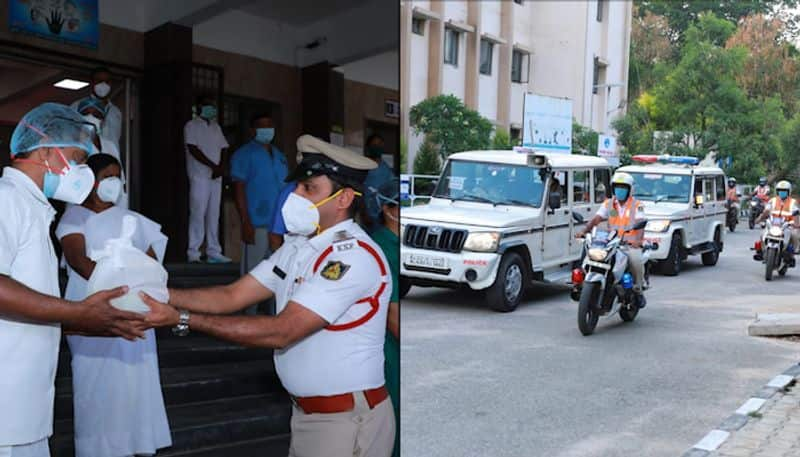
[554, 201]
[577, 217]
[640, 225]
[698, 200]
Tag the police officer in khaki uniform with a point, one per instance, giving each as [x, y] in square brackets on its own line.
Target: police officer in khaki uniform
[332, 286]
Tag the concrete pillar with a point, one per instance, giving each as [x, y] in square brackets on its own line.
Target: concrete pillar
[473, 64]
[504, 65]
[406, 15]
[436, 50]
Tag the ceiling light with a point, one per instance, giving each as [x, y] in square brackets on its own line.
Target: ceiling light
[71, 84]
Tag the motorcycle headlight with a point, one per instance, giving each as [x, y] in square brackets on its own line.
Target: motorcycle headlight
[482, 241]
[753, 203]
[657, 226]
[775, 231]
[597, 254]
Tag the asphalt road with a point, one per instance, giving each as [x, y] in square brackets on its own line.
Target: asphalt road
[480, 383]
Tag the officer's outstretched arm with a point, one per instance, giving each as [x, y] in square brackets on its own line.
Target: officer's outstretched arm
[294, 323]
[221, 299]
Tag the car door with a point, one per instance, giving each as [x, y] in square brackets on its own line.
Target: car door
[556, 227]
[695, 226]
[581, 204]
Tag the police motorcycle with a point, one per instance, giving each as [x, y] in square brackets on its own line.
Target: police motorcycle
[756, 208]
[603, 285]
[731, 218]
[774, 249]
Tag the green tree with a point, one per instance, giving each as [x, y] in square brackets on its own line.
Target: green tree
[427, 162]
[584, 139]
[501, 140]
[682, 14]
[449, 124]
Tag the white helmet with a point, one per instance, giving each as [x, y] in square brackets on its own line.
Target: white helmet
[784, 185]
[622, 179]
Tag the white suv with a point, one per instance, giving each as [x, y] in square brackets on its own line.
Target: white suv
[685, 207]
[498, 220]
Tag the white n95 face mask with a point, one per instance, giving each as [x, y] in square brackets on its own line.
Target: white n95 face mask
[102, 89]
[74, 185]
[300, 215]
[109, 189]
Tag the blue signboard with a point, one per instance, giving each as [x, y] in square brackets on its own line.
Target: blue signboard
[67, 21]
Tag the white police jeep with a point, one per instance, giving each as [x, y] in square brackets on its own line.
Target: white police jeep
[685, 207]
[498, 220]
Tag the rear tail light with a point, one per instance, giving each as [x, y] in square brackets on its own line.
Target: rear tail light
[758, 245]
[577, 276]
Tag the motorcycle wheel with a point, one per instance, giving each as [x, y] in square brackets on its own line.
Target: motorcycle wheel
[752, 222]
[587, 316]
[771, 258]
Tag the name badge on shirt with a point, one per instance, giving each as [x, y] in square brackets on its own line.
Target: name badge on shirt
[278, 272]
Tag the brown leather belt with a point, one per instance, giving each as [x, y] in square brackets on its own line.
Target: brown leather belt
[339, 403]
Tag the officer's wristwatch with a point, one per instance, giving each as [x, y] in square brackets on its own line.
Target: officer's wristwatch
[182, 329]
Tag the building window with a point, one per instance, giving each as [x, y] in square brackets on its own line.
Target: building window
[487, 51]
[515, 134]
[598, 75]
[451, 39]
[600, 8]
[519, 66]
[418, 26]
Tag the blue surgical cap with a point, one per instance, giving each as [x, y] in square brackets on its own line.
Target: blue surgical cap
[52, 125]
[91, 102]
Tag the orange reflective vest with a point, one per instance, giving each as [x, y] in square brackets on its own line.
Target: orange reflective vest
[622, 218]
[782, 208]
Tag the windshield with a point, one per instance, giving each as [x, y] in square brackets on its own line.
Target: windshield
[498, 184]
[659, 187]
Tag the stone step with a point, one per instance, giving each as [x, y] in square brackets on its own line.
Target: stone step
[183, 385]
[273, 446]
[194, 349]
[201, 425]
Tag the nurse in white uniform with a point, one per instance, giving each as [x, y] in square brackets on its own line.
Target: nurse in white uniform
[93, 112]
[118, 404]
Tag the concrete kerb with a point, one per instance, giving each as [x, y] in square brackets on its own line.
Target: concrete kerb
[746, 412]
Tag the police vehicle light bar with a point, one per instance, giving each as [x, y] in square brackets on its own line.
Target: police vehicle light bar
[666, 158]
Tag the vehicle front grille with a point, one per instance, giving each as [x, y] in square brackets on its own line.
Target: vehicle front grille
[434, 238]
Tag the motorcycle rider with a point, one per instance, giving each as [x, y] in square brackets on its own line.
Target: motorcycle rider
[731, 196]
[785, 207]
[623, 212]
[762, 191]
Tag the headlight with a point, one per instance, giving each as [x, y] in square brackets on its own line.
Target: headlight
[598, 255]
[482, 242]
[753, 203]
[775, 231]
[657, 226]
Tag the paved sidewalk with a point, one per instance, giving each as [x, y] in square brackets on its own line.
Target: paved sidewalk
[766, 425]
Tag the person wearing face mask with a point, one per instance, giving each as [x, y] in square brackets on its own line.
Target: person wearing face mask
[92, 112]
[388, 238]
[375, 179]
[623, 212]
[111, 374]
[111, 121]
[205, 151]
[258, 170]
[332, 285]
[48, 147]
[783, 206]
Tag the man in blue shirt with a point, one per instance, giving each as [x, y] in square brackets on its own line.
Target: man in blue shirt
[375, 179]
[278, 227]
[258, 170]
